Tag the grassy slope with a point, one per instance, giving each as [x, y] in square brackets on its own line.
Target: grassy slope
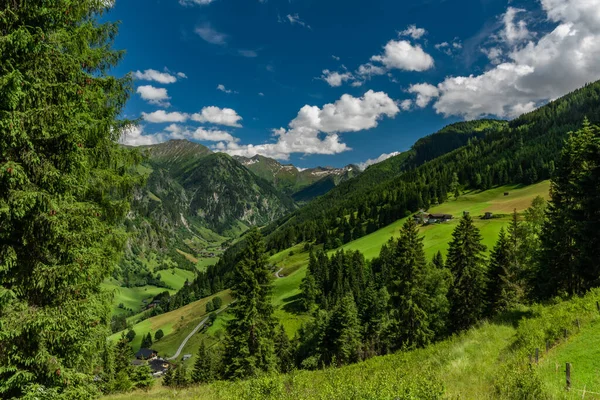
[468, 366]
[176, 325]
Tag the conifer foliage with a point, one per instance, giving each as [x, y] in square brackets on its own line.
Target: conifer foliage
[467, 265]
[249, 347]
[64, 187]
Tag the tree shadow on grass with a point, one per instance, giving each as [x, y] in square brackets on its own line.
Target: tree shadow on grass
[293, 304]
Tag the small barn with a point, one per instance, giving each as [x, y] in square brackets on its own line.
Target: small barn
[145, 354]
[488, 215]
[186, 357]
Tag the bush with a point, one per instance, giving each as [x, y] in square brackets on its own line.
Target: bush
[217, 303]
[209, 307]
[159, 335]
[130, 335]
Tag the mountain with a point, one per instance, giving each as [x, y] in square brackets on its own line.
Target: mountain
[296, 182]
[194, 198]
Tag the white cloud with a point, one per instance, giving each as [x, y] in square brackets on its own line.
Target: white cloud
[562, 60]
[383, 157]
[261, 94]
[182, 75]
[162, 116]
[294, 19]
[494, 54]
[413, 31]
[210, 35]
[222, 88]
[218, 116]
[514, 31]
[449, 48]
[315, 130]
[334, 78]
[368, 70]
[336, 58]
[403, 55]
[406, 104]
[153, 95]
[134, 136]
[157, 76]
[195, 2]
[425, 93]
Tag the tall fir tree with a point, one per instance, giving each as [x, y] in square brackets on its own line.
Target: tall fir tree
[203, 366]
[64, 189]
[569, 260]
[343, 334]
[284, 351]
[467, 265]
[249, 346]
[499, 264]
[407, 287]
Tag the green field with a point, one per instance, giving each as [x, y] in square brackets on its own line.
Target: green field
[477, 203]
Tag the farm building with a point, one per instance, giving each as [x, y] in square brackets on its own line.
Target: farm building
[145, 354]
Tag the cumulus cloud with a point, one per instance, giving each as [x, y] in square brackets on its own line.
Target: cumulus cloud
[383, 157]
[248, 53]
[413, 31]
[210, 35]
[494, 54]
[406, 104]
[449, 48]
[334, 78]
[161, 116]
[153, 95]
[425, 93]
[316, 130]
[135, 136]
[405, 56]
[559, 62]
[157, 76]
[218, 116]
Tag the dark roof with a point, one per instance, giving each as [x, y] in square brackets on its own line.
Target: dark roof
[440, 216]
[159, 365]
[145, 353]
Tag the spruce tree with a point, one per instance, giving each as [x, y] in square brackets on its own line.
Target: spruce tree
[147, 341]
[64, 189]
[249, 346]
[467, 265]
[169, 378]
[284, 351]
[499, 264]
[569, 260]
[408, 296]
[203, 366]
[343, 334]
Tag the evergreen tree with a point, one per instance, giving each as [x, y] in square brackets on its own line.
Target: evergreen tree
[169, 378]
[64, 190]
[130, 335]
[123, 355]
[499, 264]
[309, 291]
[570, 257]
[203, 366]
[284, 351]
[408, 296]
[147, 341]
[180, 378]
[342, 338]
[141, 377]
[467, 265]
[438, 260]
[249, 341]
[158, 335]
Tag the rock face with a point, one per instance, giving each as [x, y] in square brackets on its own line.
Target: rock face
[302, 184]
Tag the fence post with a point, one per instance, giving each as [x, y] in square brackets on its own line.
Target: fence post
[537, 355]
[568, 372]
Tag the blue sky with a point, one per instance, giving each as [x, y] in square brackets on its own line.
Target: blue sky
[333, 82]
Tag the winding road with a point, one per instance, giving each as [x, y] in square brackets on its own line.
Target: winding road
[192, 333]
[277, 273]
